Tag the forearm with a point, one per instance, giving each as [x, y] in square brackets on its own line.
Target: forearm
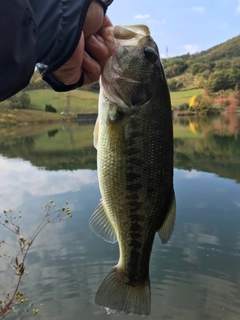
[45, 32]
[60, 24]
[65, 20]
[18, 46]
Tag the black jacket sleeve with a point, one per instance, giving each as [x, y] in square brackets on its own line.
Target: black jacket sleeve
[18, 46]
[45, 32]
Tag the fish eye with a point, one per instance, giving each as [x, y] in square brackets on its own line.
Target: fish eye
[151, 54]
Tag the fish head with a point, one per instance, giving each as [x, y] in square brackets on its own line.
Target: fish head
[129, 75]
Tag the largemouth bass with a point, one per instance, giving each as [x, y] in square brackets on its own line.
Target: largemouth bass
[134, 140]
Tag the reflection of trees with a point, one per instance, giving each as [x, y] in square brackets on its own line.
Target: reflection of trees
[81, 158]
[52, 133]
[215, 153]
[17, 148]
[227, 124]
[84, 158]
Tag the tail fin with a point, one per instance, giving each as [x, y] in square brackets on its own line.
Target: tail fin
[116, 296]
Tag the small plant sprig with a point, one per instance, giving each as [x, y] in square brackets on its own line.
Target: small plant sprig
[11, 222]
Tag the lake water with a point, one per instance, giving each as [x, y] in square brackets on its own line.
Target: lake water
[195, 276]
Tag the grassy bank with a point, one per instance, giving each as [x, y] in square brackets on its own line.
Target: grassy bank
[17, 116]
[80, 102]
[180, 97]
[86, 102]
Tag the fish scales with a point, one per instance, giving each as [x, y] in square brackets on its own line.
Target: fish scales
[127, 180]
[135, 169]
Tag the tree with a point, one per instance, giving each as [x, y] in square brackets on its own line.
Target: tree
[172, 84]
[24, 100]
[202, 103]
[224, 80]
[218, 81]
[199, 67]
[20, 100]
[192, 100]
[200, 81]
[50, 108]
[234, 78]
[236, 95]
[174, 67]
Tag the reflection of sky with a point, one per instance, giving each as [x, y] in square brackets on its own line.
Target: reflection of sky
[201, 189]
[20, 180]
[195, 276]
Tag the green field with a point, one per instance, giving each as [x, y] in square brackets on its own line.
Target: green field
[180, 97]
[80, 101]
[86, 102]
[22, 116]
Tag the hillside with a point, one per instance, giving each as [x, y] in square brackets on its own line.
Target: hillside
[227, 50]
[217, 68]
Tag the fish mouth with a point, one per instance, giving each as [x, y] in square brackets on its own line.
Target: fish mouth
[124, 35]
[116, 39]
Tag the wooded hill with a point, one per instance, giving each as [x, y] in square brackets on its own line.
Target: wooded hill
[217, 68]
[227, 50]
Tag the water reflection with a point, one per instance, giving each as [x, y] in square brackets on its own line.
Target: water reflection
[195, 276]
[68, 147]
[209, 145]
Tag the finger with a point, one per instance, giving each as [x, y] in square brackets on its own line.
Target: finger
[99, 38]
[71, 71]
[91, 68]
[94, 19]
[106, 22]
[97, 50]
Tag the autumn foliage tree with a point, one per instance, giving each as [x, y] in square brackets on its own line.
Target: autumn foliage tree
[202, 103]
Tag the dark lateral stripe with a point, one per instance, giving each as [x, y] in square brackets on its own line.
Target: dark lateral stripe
[136, 217]
[132, 176]
[135, 244]
[132, 149]
[131, 140]
[134, 187]
[134, 161]
[133, 195]
[135, 205]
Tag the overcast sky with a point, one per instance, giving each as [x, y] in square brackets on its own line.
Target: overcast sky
[181, 25]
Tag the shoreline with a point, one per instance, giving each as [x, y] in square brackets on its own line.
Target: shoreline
[191, 113]
[27, 117]
[24, 117]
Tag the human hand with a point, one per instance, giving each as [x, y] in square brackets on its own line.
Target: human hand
[91, 53]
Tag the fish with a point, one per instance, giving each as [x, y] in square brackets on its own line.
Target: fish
[133, 136]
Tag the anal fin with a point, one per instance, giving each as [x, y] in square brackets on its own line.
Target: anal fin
[101, 226]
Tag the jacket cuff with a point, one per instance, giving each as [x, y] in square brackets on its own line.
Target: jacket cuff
[105, 4]
[54, 83]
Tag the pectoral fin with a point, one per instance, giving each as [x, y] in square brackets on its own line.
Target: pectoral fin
[95, 134]
[101, 226]
[167, 228]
